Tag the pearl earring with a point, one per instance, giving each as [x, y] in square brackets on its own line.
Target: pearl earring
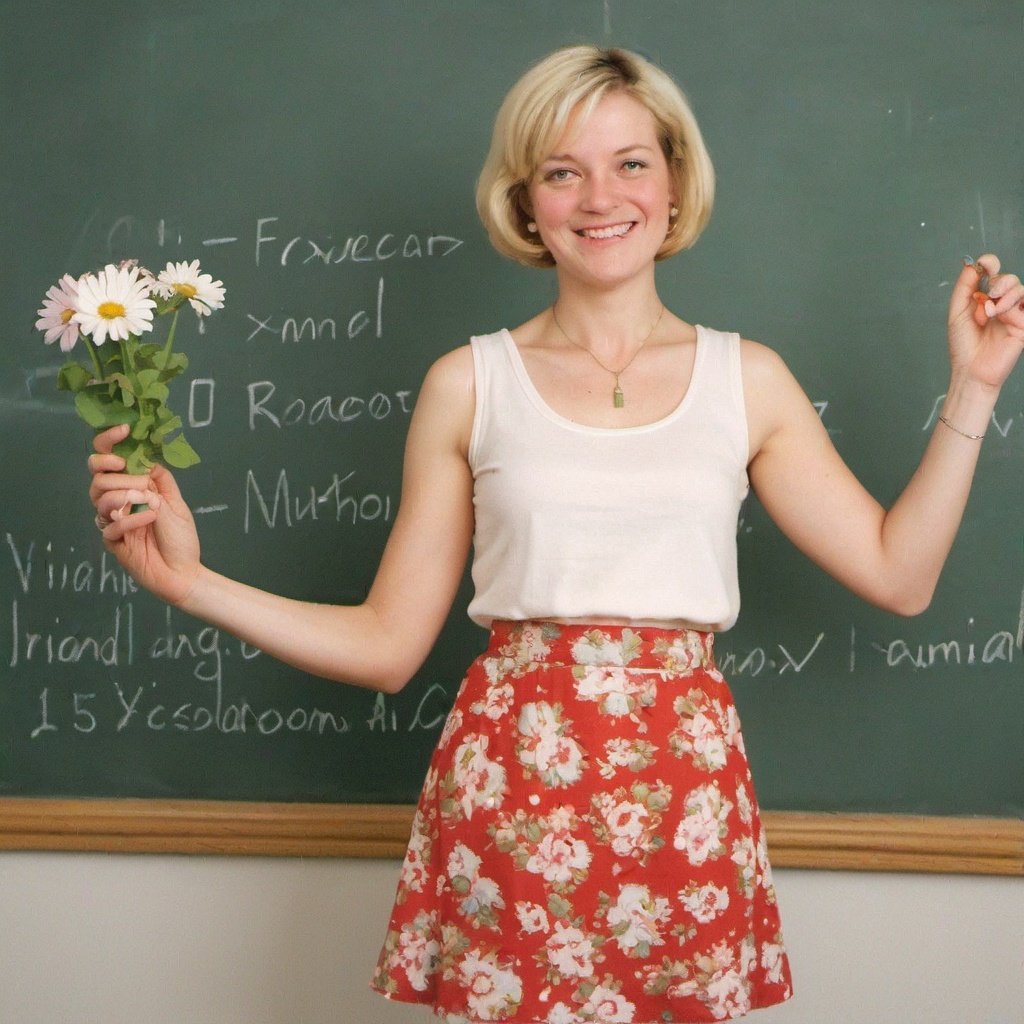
[532, 227]
[674, 212]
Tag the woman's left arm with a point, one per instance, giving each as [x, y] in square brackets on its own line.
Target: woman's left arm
[891, 558]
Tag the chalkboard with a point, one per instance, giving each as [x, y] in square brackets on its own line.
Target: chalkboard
[320, 159]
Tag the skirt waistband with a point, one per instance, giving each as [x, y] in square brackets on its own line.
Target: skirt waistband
[636, 647]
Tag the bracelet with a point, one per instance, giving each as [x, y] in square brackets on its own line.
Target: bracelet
[962, 433]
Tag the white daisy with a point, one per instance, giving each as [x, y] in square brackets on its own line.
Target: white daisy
[56, 316]
[113, 304]
[203, 293]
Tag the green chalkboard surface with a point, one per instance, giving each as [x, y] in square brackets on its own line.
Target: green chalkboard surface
[320, 159]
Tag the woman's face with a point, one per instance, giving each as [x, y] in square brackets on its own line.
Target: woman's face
[601, 199]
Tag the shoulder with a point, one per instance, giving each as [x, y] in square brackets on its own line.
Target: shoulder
[762, 368]
[451, 373]
[764, 371]
[447, 398]
[771, 393]
[759, 360]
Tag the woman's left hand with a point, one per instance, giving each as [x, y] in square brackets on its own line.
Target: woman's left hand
[986, 336]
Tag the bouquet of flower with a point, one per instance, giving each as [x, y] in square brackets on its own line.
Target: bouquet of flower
[126, 381]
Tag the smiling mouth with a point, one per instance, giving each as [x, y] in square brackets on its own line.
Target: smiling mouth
[612, 231]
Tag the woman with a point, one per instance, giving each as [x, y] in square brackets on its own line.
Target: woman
[587, 846]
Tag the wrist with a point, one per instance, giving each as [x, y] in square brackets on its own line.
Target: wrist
[191, 600]
[964, 384]
[968, 406]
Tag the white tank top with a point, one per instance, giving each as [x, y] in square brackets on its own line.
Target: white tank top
[603, 524]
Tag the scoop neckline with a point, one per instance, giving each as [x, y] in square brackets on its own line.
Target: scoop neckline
[538, 401]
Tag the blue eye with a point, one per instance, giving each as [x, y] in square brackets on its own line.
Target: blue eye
[634, 165]
[559, 174]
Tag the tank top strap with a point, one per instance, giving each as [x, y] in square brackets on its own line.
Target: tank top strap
[717, 380]
[496, 388]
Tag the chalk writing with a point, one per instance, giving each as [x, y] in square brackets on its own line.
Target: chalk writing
[334, 501]
[205, 648]
[1002, 427]
[325, 409]
[115, 709]
[200, 396]
[822, 406]
[354, 249]
[995, 648]
[430, 713]
[51, 645]
[292, 330]
[65, 572]
[296, 250]
[775, 659]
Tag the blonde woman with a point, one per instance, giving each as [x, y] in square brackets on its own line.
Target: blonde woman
[588, 845]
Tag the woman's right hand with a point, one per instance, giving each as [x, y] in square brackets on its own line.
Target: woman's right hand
[159, 547]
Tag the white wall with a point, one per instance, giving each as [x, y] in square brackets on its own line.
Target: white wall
[98, 939]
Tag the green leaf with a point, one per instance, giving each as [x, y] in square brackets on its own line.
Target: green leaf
[179, 453]
[138, 461]
[141, 429]
[154, 389]
[125, 388]
[102, 412]
[73, 377]
[173, 365]
[165, 428]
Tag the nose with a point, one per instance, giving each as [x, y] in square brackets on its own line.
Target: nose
[600, 193]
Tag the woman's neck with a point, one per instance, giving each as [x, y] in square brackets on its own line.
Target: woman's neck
[609, 321]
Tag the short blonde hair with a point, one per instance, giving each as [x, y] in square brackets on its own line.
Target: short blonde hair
[534, 115]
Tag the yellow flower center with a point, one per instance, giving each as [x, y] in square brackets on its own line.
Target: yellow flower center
[110, 310]
[66, 316]
[187, 290]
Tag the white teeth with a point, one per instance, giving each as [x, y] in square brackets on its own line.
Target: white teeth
[612, 232]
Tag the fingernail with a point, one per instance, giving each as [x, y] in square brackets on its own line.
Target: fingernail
[968, 261]
[154, 502]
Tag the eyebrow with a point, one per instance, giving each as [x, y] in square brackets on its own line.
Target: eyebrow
[558, 157]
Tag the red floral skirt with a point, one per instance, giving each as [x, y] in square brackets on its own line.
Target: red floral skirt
[587, 845]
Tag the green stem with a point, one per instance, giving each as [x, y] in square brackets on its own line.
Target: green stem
[128, 365]
[126, 361]
[170, 332]
[95, 356]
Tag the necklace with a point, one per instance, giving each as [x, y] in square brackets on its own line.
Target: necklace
[618, 398]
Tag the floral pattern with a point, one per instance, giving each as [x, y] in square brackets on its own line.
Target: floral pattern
[587, 846]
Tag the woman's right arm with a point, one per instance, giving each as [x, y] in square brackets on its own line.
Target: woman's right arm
[378, 644]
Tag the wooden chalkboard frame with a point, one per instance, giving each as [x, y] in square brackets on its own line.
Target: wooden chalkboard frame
[857, 842]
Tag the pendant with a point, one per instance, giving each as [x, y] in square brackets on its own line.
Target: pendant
[618, 398]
